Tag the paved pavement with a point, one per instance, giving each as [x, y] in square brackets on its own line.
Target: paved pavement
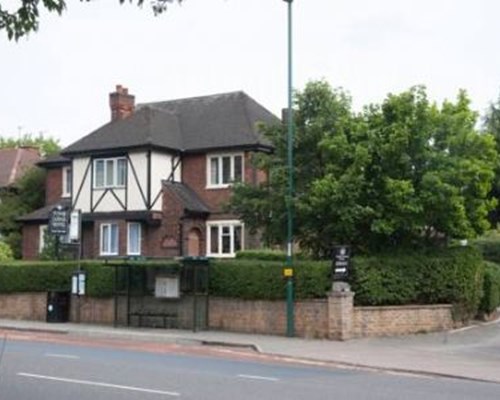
[470, 353]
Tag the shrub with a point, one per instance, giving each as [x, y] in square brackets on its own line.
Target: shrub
[42, 276]
[491, 288]
[451, 276]
[6, 253]
[263, 280]
[268, 255]
[489, 246]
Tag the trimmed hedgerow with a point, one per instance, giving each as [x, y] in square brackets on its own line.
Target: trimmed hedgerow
[451, 276]
[42, 276]
[263, 280]
[491, 289]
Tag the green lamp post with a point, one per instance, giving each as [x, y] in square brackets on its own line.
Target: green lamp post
[290, 325]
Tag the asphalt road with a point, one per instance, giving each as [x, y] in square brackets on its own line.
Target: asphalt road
[35, 370]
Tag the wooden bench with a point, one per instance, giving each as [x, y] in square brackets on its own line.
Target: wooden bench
[169, 319]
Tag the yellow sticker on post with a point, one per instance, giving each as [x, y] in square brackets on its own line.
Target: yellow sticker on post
[287, 272]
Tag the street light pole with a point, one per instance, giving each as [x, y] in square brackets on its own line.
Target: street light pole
[290, 325]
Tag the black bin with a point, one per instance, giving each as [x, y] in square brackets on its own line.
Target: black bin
[58, 306]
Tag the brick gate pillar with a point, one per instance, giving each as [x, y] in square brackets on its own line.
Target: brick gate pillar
[340, 314]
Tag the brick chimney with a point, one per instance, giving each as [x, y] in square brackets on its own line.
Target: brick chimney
[122, 104]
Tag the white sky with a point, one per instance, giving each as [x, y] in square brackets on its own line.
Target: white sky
[57, 81]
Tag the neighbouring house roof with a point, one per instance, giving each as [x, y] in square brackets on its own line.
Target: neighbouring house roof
[15, 162]
[223, 121]
[54, 160]
[42, 214]
[187, 196]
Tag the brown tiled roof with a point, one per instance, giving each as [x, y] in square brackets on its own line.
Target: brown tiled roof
[15, 162]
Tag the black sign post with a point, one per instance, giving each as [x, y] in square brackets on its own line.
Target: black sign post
[341, 263]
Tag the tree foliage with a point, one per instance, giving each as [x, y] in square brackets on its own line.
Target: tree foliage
[402, 173]
[27, 195]
[25, 19]
[491, 125]
[46, 145]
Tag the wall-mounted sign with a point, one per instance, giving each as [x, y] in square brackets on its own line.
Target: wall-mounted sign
[341, 262]
[74, 226]
[167, 287]
[78, 281]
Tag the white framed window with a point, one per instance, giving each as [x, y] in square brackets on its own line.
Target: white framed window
[110, 172]
[67, 182]
[224, 169]
[224, 238]
[43, 232]
[134, 238]
[109, 239]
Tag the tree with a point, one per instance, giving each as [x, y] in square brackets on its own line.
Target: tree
[46, 145]
[25, 19]
[28, 196]
[402, 173]
[491, 125]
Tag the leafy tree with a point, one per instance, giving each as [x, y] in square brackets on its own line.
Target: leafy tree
[28, 196]
[491, 125]
[402, 173]
[46, 145]
[24, 20]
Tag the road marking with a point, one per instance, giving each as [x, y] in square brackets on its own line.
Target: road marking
[67, 356]
[260, 378]
[101, 384]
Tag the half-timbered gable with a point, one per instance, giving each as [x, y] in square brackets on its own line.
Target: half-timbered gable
[152, 181]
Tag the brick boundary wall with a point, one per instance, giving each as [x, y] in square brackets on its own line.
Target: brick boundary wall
[401, 320]
[331, 318]
[25, 306]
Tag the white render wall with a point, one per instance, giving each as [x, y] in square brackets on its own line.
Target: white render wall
[131, 197]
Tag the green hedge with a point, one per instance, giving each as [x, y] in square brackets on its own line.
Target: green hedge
[451, 276]
[489, 246]
[42, 276]
[263, 280]
[491, 288]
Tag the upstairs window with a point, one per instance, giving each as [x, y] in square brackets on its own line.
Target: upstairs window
[110, 172]
[67, 182]
[224, 169]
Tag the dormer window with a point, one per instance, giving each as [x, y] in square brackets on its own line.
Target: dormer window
[110, 172]
[224, 169]
[67, 182]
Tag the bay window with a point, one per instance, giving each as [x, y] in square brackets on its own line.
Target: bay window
[225, 238]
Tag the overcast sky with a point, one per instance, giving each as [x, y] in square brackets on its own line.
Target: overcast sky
[57, 80]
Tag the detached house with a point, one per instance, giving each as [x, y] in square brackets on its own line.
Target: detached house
[154, 181]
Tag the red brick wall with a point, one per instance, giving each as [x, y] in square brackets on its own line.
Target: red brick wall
[53, 185]
[31, 239]
[194, 174]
